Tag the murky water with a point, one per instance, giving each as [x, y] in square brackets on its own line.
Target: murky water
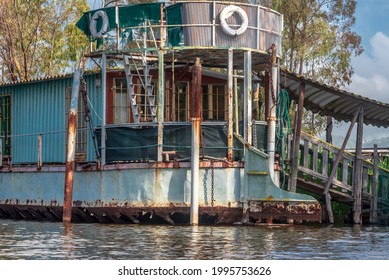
[35, 240]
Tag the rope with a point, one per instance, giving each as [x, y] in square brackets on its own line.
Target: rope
[283, 128]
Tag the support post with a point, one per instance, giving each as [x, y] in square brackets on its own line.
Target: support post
[339, 156]
[236, 102]
[1, 151]
[161, 86]
[230, 154]
[195, 155]
[374, 184]
[71, 146]
[357, 205]
[39, 161]
[104, 113]
[272, 118]
[247, 123]
[296, 139]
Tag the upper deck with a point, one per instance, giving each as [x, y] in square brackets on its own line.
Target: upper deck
[186, 30]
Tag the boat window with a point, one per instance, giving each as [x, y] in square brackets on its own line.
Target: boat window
[181, 103]
[214, 102]
[5, 124]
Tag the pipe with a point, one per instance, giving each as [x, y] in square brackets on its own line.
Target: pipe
[195, 154]
[104, 114]
[271, 121]
[247, 121]
[71, 147]
[230, 154]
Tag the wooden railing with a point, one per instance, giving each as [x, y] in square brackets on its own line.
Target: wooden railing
[316, 160]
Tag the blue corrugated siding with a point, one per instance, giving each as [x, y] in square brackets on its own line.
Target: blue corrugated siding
[39, 108]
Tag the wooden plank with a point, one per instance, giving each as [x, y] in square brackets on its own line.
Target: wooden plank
[324, 163]
[344, 170]
[315, 158]
[306, 153]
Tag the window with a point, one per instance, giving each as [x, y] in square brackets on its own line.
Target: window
[214, 102]
[82, 132]
[5, 124]
[181, 103]
[121, 102]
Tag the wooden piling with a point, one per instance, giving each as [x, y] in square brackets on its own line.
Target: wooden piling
[374, 201]
[357, 205]
[296, 139]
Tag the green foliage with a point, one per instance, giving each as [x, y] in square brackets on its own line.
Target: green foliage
[38, 37]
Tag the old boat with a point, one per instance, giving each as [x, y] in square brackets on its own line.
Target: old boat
[163, 132]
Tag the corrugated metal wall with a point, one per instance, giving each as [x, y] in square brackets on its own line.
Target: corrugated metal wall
[265, 27]
[39, 108]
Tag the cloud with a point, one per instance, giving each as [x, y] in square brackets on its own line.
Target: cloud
[371, 70]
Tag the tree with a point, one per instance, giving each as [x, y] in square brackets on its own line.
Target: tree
[38, 37]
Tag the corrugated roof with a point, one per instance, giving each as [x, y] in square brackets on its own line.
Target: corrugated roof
[331, 101]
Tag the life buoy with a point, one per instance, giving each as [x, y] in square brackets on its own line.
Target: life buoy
[93, 24]
[229, 11]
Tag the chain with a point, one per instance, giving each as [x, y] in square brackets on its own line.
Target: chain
[205, 186]
[212, 184]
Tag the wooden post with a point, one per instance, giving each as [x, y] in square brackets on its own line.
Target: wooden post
[329, 130]
[339, 156]
[195, 155]
[357, 205]
[296, 139]
[374, 202]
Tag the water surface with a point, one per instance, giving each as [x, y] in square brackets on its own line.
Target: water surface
[44, 240]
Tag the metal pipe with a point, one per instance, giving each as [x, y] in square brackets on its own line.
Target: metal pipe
[230, 132]
[247, 98]
[1, 151]
[195, 153]
[71, 147]
[236, 101]
[104, 113]
[271, 133]
[117, 23]
[160, 100]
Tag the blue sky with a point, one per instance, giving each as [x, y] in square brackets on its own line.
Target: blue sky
[371, 76]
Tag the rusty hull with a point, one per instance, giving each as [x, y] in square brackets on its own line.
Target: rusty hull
[259, 212]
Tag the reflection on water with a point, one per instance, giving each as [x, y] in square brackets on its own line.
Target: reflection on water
[34, 240]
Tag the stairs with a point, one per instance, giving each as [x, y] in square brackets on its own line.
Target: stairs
[135, 99]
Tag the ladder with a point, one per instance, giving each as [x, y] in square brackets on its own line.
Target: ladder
[146, 85]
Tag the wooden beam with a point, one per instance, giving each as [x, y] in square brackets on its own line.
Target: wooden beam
[374, 204]
[335, 167]
[357, 206]
[296, 139]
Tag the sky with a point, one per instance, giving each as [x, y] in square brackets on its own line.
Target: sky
[371, 69]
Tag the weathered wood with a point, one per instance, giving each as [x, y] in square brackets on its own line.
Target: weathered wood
[374, 201]
[365, 179]
[296, 139]
[335, 167]
[315, 157]
[306, 153]
[357, 206]
[344, 170]
[324, 163]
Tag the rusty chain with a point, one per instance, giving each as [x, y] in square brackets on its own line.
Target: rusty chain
[205, 186]
[272, 52]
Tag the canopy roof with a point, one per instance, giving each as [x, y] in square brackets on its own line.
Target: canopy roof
[330, 101]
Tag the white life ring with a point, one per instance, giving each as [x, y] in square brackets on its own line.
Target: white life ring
[93, 24]
[229, 11]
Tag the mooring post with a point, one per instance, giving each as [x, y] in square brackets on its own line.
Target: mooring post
[230, 154]
[357, 206]
[296, 139]
[196, 126]
[71, 145]
[374, 202]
